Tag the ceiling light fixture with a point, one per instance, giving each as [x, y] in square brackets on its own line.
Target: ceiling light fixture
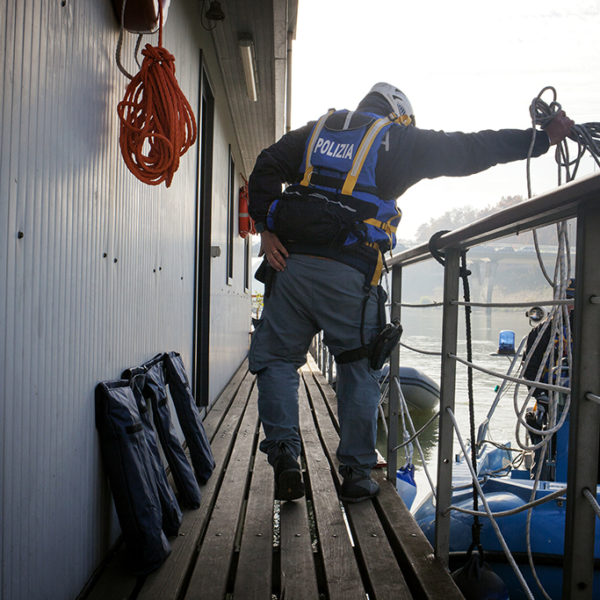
[249, 65]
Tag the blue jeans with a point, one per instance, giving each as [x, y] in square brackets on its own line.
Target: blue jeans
[310, 295]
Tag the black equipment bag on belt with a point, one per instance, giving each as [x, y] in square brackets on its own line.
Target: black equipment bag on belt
[126, 459]
[189, 417]
[304, 214]
[155, 390]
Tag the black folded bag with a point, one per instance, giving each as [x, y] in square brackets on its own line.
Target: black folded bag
[130, 474]
[155, 390]
[189, 417]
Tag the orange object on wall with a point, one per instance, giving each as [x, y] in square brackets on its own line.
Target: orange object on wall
[246, 224]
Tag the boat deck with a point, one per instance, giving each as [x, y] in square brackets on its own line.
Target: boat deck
[242, 544]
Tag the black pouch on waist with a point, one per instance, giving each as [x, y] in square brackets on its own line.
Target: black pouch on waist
[319, 217]
[383, 344]
[265, 274]
[378, 351]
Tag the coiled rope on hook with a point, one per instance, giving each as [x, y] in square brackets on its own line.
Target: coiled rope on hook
[157, 122]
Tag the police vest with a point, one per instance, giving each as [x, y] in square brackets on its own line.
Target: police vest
[337, 201]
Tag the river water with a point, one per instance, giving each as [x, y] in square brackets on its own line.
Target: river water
[422, 330]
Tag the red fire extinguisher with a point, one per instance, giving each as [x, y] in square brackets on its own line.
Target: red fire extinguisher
[246, 224]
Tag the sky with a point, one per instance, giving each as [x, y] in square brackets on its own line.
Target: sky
[465, 65]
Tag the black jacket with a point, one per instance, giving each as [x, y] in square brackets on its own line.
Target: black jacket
[407, 155]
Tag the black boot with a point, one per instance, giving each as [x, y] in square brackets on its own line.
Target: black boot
[357, 490]
[288, 478]
[357, 485]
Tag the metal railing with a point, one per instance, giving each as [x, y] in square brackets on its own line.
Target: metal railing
[580, 199]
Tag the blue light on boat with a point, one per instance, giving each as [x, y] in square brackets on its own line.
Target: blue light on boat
[506, 342]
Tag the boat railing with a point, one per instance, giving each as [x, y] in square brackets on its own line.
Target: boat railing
[579, 200]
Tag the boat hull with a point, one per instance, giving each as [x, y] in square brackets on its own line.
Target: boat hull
[505, 493]
[420, 391]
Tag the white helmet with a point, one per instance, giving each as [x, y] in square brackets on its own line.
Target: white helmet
[396, 99]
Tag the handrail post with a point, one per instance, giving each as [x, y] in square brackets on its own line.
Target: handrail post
[584, 414]
[447, 387]
[393, 395]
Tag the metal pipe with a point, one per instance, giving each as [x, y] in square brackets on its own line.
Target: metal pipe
[584, 427]
[394, 396]
[288, 90]
[447, 389]
[551, 207]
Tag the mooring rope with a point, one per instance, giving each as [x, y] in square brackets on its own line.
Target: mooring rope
[428, 352]
[512, 511]
[488, 511]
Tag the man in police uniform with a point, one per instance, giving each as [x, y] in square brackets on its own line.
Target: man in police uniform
[323, 239]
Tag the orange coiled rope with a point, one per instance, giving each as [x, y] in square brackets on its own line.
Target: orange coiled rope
[157, 121]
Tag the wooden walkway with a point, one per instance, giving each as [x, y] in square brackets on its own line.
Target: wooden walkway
[241, 544]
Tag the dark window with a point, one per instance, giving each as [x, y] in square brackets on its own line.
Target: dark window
[230, 218]
[203, 240]
[247, 259]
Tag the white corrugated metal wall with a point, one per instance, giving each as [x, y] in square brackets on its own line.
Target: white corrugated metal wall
[96, 274]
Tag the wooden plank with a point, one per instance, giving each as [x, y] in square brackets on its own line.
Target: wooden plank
[385, 576]
[116, 581]
[212, 566]
[169, 580]
[298, 573]
[341, 570]
[426, 574]
[221, 405]
[253, 580]
[327, 391]
[382, 570]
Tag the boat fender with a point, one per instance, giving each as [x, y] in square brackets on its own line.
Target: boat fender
[476, 580]
[406, 485]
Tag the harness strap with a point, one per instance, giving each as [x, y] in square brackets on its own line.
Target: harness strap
[336, 183]
[379, 266]
[363, 151]
[311, 145]
[385, 225]
[402, 119]
[348, 119]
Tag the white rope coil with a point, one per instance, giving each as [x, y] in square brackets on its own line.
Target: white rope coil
[592, 501]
